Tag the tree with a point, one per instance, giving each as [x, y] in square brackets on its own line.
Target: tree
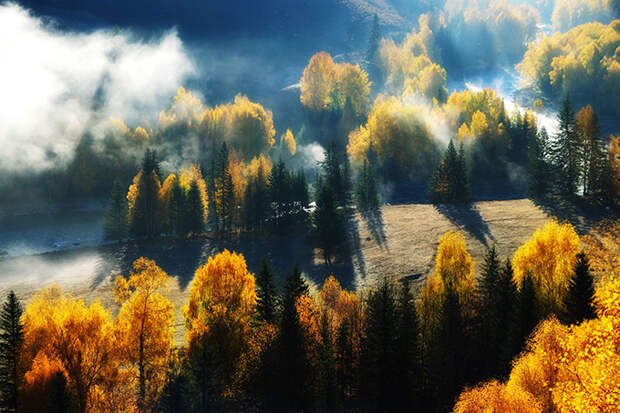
[146, 324]
[222, 301]
[366, 194]
[407, 369]
[528, 313]
[449, 182]
[143, 198]
[579, 300]
[549, 257]
[79, 340]
[537, 169]
[11, 342]
[279, 191]
[115, 221]
[372, 54]
[565, 151]
[193, 219]
[328, 226]
[592, 152]
[267, 295]
[379, 348]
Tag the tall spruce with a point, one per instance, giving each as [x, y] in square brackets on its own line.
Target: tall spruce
[565, 151]
[488, 291]
[328, 225]
[380, 346]
[579, 301]
[193, 211]
[366, 192]
[506, 304]
[279, 185]
[143, 220]
[11, 341]
[267, 303]
[176, 210]
[408, 372]
[372, 54]
[527, 314]
[449, 181]
[537, 169]
[593, 156]
[115, 221]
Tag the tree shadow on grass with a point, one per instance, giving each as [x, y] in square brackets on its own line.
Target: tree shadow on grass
[581, 214]
[467, 217]
[375, 225]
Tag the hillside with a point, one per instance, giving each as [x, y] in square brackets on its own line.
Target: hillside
[403, 245]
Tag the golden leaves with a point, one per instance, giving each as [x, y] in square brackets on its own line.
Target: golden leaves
[287, 140]
[549, 257]
[221, 294]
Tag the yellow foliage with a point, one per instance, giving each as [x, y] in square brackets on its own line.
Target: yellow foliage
[185, 108]
[453, 263]
[549, 257]
[479, 124]
[221, 295]
[74, 338]
[614, 162]
[496, 397]
[602, 245]
[242, 173]
[317, 81]
[287, 140]
[140, 134]
[145, 326]
[252, 131]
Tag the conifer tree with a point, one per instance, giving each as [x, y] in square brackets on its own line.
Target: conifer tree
[408, 373]
[366, 193]
[328, 222]
[115, 222]
[593, 157]
[506, 303]
[380, 345]
[267, 295]
[449, 181]
[279, 185]
[565, 151]
[176, 210]
[294, 370]
[579, 302]
[372, 54]
[143, 217]
[537, 176]
[527, 314]
[11, 340]
[327, 366]
[347, 182]
[488, 289]
[193, 211]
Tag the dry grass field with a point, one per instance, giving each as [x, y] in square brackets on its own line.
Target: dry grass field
[399, 243]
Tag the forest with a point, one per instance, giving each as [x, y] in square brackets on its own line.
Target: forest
[262, 130]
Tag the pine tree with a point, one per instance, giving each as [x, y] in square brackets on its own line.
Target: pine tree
[279, 185]
[143, 218]
[347, 183]
[294, 370]
[334, 175]
[488, 292]
[592, 151]
[579, 302]
[379, 346]
[461, 183]
[11, 340]
[449, 181]
[366, 194]
[267, 303]
[527, 314]
[327, 366]
[506, 302]
[537, 177]
[176, 210]
[193, 212]
[115, 221]
[565, 151]
[328, 222]
[213, 220]
[408, 372]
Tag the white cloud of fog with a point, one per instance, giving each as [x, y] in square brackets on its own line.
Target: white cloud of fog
[49, 80]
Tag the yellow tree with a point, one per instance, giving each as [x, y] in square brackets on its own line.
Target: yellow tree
[145, 328]
[549, 257]
[602, 245]
[222, 301]
[317, 81]
[75, 338]
[496, 397]
[287, 140]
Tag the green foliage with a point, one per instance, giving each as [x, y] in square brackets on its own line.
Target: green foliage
[579, 302]
[565, 151]
[115, 221]
[449, 182]
[366, 192]
[193, 212]
[328, 225]
[267, 303]
[537, 167]
[11, 341]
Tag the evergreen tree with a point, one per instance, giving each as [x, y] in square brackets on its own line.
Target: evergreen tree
[593, 154]
[213, 220]
[449, 181]
[366, 193]
[328, 222]
[408, 372]
[379, 350]
[506, 302]
[527, 314]
[347, 183]
[294, 370]
[347, 372]
[449, 352]
[565, 151]
[279, 184]
[11, 340]
[176, 210]
[333, 174]
[267, 294]
[193, 212]
[537, 177]
[579, 302]
[327, 366]
[143, 220]
[301, 189]
[488, 292]
[115, 221]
